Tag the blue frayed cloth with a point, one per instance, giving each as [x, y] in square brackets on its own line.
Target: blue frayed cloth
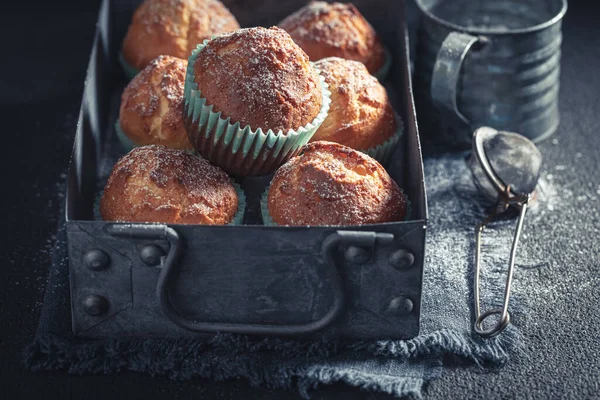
[399, 368]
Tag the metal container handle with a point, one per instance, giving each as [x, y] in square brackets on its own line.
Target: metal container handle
[168, 270]
[169, 265]
[446, 72]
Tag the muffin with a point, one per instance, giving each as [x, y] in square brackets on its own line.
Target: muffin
[158, 184]
[360, 115]
[331, 184]
[151, 105]
[335, 30]
[174, 28]
[252, 99]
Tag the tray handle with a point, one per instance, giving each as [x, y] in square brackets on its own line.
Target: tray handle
[169, 265]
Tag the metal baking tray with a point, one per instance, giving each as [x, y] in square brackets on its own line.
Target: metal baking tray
[157, 280]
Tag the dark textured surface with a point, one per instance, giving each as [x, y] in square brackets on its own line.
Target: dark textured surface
[562, 357]
[39, 112]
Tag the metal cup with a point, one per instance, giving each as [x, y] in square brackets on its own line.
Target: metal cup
[489, 63]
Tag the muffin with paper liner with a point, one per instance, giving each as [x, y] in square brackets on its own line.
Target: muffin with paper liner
[252, 100]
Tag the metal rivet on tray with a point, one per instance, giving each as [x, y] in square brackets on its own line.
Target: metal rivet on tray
[151, 254]
[356, 255]
[399, 306]
[95, 305]
[401, 259]
[96, 260]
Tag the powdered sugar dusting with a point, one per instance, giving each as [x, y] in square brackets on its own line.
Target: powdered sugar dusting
[335, 30]
[211, 15]
[173, 27]
[330, 184]
[259, 77]
[158, 184]
[361, 115]
[323, 22]
[151, 104]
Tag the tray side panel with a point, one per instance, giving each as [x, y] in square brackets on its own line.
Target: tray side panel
[92, 126]
[241, 283]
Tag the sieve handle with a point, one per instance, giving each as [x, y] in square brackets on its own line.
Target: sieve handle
[446, 72]
[504, 317]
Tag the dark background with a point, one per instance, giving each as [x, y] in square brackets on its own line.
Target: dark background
[45, 50]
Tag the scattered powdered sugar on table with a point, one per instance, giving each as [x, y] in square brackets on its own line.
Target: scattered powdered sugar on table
[52, 199]
[455, 209]
[546, 200]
